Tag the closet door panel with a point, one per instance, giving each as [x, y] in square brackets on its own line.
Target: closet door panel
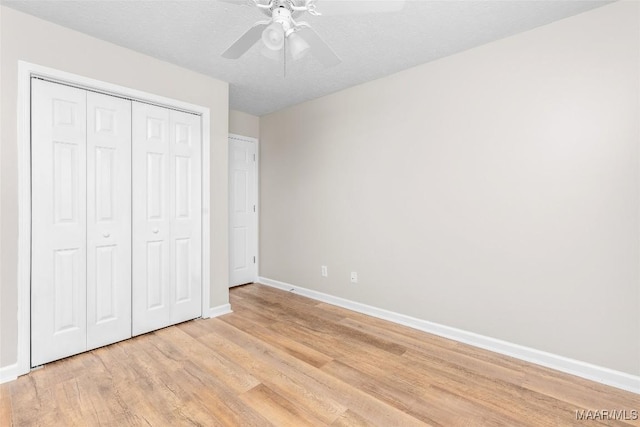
[58, 258]
[185, 202]
[108, 219]
[151, 300]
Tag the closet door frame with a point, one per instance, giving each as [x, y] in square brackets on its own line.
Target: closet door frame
[27, 71]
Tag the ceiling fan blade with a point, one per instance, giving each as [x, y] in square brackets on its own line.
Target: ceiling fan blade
[319, 48]
[350, 7]
[244, 43]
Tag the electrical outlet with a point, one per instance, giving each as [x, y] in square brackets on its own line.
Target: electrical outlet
[324, 271]
[354, 277]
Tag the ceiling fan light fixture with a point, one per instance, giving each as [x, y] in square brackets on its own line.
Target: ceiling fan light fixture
[297, 47]
[273, 36]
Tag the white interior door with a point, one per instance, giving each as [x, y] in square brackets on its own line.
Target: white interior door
[243, 230]
[108, 219]
[58, 257]
[167, 282]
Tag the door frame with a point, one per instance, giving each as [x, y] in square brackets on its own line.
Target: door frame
[28, 70]
[257, 184]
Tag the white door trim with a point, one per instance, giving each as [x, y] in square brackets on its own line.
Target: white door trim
[25, 72]
[257, 184]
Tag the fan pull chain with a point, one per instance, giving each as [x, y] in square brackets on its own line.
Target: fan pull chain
[284, 59]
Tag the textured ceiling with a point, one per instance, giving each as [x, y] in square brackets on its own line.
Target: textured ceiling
[193, 34]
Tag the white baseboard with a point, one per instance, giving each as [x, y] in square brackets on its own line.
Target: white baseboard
[586, 370]
[9, 373]
[218, 311]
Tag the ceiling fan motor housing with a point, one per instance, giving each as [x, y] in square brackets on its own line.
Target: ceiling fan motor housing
[282, 16]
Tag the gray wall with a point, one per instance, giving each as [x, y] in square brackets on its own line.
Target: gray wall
[244, 124]
[496, 191]
[33, 40]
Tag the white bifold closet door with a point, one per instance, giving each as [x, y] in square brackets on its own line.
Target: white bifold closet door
[108, 219]
[167, 215]
[80, 278]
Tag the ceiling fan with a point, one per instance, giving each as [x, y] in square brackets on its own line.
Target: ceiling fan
[283, 33]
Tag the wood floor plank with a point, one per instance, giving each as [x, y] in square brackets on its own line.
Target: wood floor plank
[319, 384]
[252, 312]
[385, 325]
[495, 395]
[331, 342]
[402, 399]
[326, 322]
[294, 348]
[285, 360]
[576, 392]
[186, 351]
[5, 407]
[277, 408]
[580, 392]
[350, 419]
[278, 370]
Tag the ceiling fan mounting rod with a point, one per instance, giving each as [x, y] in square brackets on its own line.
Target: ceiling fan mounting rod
[309, 6]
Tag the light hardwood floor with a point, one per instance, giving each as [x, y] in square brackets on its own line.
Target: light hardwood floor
[282, 359]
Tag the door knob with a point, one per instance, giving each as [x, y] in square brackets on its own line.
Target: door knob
[155, 231]
[106, 234]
